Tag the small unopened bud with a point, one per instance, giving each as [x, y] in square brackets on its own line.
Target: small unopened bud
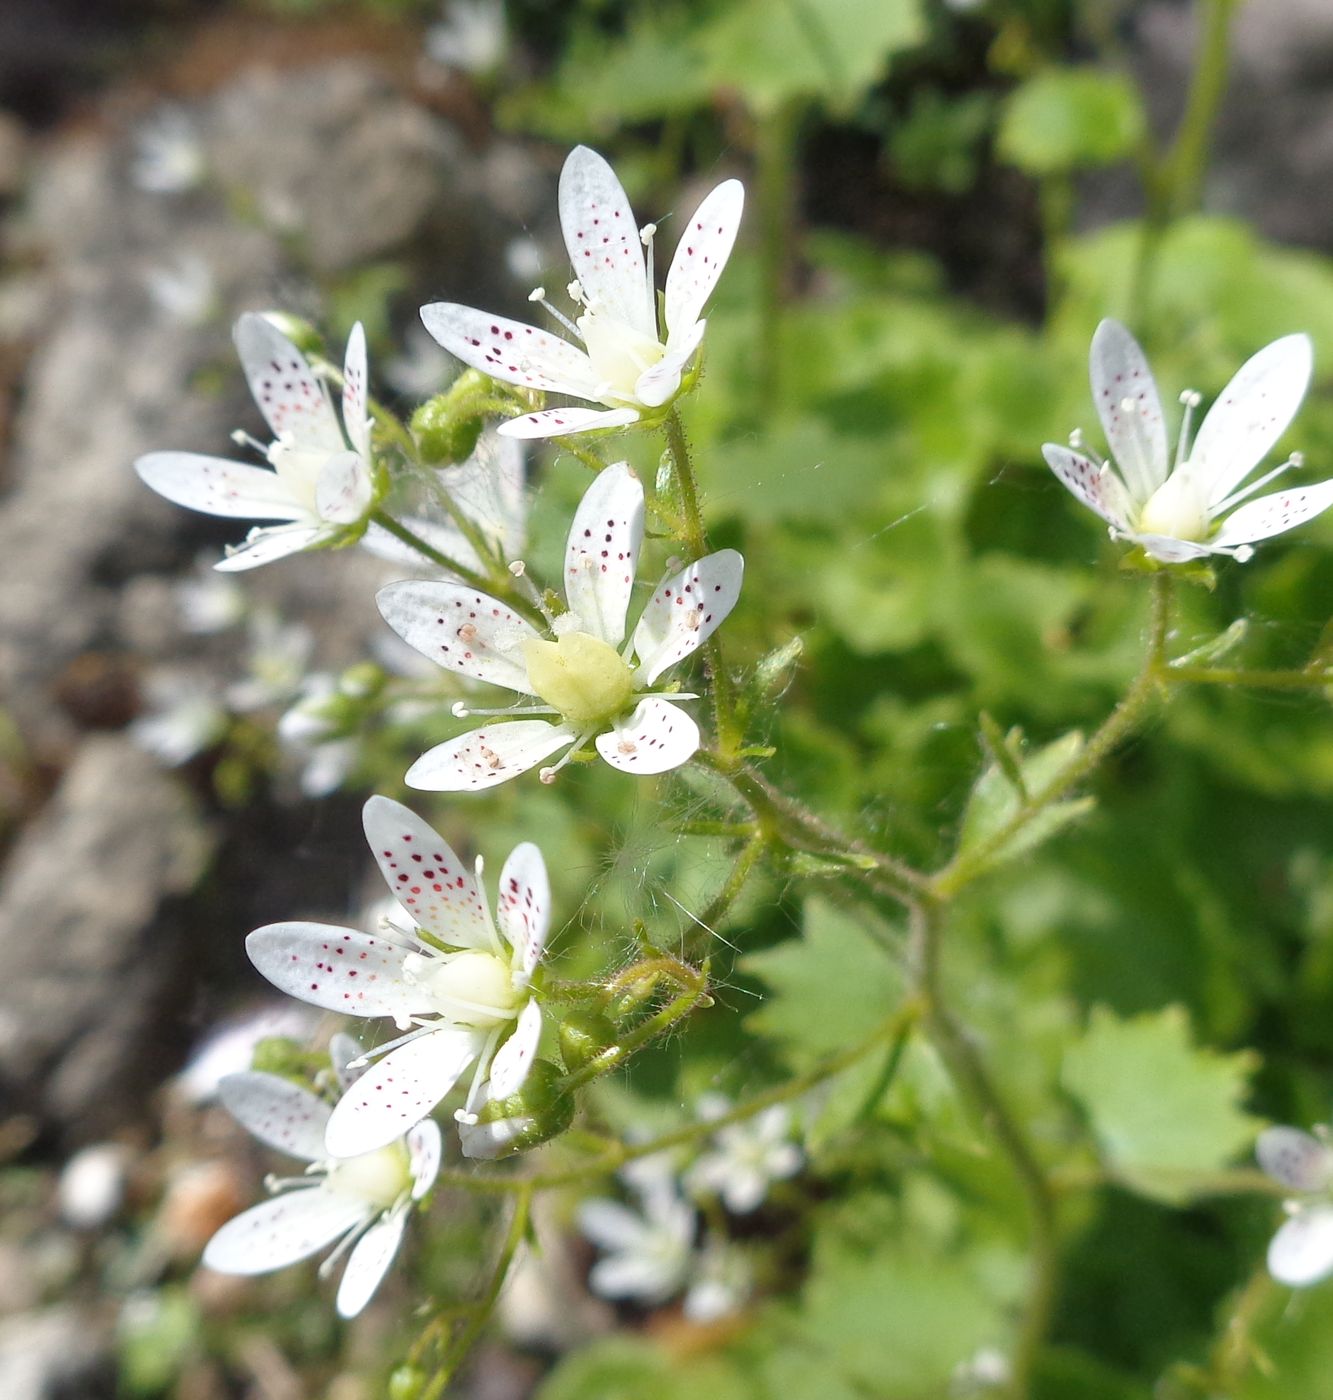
[406, 1383]
[446, 428]
[538, 1111]
[583, 1036]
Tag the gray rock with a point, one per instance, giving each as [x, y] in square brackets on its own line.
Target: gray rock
[87, 941]
[58, 1354]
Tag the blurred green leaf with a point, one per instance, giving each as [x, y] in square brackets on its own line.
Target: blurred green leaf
[1070, 118]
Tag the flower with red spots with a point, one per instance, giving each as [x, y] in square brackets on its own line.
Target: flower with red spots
[624, 364]
[458, 982]
[590, 684]
[362, 1199]
[1174, 511]
[319, 488]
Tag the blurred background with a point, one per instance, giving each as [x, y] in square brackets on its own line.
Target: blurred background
[944, 197]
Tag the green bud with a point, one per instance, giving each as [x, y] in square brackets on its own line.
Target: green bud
[406, 1383]
[538, 1111]
[583, 1036]
[302, 333]
[774, 673]
[280, 1054]
[446, 428]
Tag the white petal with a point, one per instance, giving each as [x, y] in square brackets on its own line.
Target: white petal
[486, 1142]
[266, 545]
[1302, 1250]
[509, 350]
[282, 1115]
[282, 1230]
[489, 489]
[343, 489]
[425, 875]
[745, 1189]
[605, 250]
[1137, 432]
[602, 551]
[609, 1225]
[425, 1148]
[356, 417]
[560, 422]
[702, 253]
[514, 1058]
[1251, 413]
[460, 629]
[656, 737]
[397, 1092]
[644, 1276]
[1295, 1159]
[1170, 550]
[339, 969]
[343, 1049]
[657, 384]
[524, 908]
[1098, 487]
[1271, 515]
[219, 487]
[289, 396]
[686, 611]
[368, 1263]
[484, 757]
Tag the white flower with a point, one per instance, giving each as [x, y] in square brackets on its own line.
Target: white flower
[471, 37]
[488, 489]
[317, 488]
[168, 158]
[457, 987]
[1302, 1250]
[723, 1281]
[649, 1251]
[422, 367]
[276, 656]
[747, 1158]
[229, 1048]
[591, 684]
[183, 287]
[209, 602]
[361, 1199]
[624, 363]
[1174, 511]
[183, 718]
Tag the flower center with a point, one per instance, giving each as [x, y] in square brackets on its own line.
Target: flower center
[582, 677]
[298, 469]
[471, 988]
[1176, 509]
[378, 1177]
[618, 352]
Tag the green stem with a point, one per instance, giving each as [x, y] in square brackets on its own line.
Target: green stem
[589, 459]
[974, 1082]
[481, 1313]
[1264, 680]
[966, 866]
[743, 867]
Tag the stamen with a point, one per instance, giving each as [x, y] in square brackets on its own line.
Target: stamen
[538, 294]
[1133, 412]
[479, 867]
[467, 1113]
[520, 571]
[243, 439]
[547, 775]
[275, 1185]
[1297, 459]
[460, 710]
[575, 290]
[377, 1050]
[347, 1241]
[1191, 399]
[646, 233]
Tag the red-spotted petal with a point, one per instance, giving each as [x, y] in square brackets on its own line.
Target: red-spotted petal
[425, 1150]
[509, 350]
[484, 757]
[602, 552]
[397, 1092]
[343, 489]
[605, 249]
[461, 630]
[656, 737]
[1271, 515]
[368, 1263]
[513, 1060]
[339, 969]
[267, 545]
[425, 875]
[524, 906]
[291, 398]
[356, 415]
[219, 487]
[1131, 412]
[701, 254]
[283, 1230]
[686, 611]
[1098, 487]
[282, 1115]
[560, 422]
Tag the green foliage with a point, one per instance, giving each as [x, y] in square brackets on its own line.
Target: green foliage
[1070, 118]
[1166, 1113]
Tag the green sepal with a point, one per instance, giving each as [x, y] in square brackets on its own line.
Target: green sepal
[446, 428]
[541, 1109]
[584, 1035]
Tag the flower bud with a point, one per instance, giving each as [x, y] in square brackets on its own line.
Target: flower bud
[281, 1055]
[446, 428]
[583, 1036]
[538, 1111]
[302, 333]
[406, 1383]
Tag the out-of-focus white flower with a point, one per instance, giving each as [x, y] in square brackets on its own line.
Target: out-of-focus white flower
[183, 717]
[988, 1369]
[1174, 511]
[422, 368]
[624, 363]
[1302, 1250]
[92, 1185]
[471, 37]
[168, 156]
[467, 1003]
[586, 689]
[276, 661]
[229, 1048]
[361, 1200]
[746, 1158]
[209, 601]
[318, 487]
[184, 288]
[648, 1252]
[722, 1283]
